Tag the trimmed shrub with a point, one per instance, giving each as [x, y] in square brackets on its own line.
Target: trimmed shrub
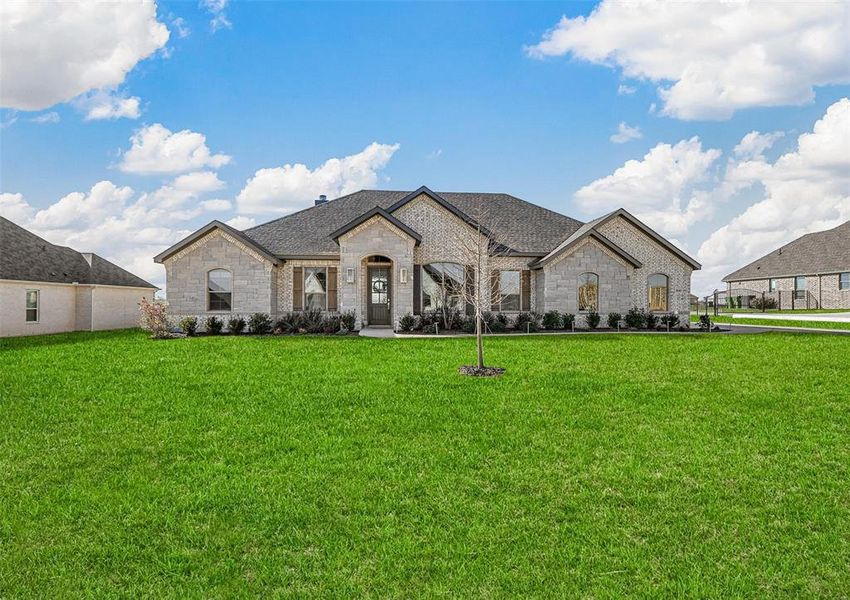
[635, 318]
[347, 320]
[568, 319]
[236, 325]
[704, 322]
[189, 325]
[287, 323]
[499, 324]
[468, 325]
[312, 321]
[552, 320]
[765, 303]
[670, 321]
[427, 321]
[593, 319]
[527, 322]
[614, 320]
[650, 320]
[154, 318]
[259, 324]
[331, 324]
[407, 322]
[214, 325]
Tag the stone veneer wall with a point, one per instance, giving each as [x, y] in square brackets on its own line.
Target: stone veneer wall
[561, 279]
[655, 259]
[376, 236]
[254, 277]
[284, 280]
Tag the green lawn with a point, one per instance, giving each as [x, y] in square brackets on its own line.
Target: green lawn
[598, 466]
[774, 322]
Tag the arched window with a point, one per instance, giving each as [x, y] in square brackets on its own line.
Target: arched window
[657, 289]
[219, 290]
[588, 292]
[442, 286]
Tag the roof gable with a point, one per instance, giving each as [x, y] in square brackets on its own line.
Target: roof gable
[212, 226]
[659, 239]
[423, 190]
[375, 212]
[586, 232]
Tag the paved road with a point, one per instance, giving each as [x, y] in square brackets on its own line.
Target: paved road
[836, 317]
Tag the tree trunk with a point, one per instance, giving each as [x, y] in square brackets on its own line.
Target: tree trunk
[479, 340]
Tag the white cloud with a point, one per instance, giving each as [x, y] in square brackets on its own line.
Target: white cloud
[434, 154]
[280, 190]
[755, 144]
[219, 19]
[625, 90]
[805, 190]
[241, 222]
[713, 58]
[50, 117]
[626, 133]
[155, 149]
[662, 188]
[106, 104]
[216, 205]
[119, 224]
[55, 51]
[180, 26]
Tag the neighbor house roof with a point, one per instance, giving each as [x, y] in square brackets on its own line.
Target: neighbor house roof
[523, 227]
[813, 254]
[26, 257]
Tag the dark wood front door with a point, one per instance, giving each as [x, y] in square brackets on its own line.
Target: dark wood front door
[379, 295]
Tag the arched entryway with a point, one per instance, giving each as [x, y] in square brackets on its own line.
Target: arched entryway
[379, 284]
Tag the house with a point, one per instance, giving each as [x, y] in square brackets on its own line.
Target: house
[383, 254]
[46, 288]
[813, 271]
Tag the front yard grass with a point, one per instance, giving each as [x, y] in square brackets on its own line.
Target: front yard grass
[727, 320]
[597, 466]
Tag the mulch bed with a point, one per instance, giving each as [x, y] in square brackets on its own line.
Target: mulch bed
[480, 371]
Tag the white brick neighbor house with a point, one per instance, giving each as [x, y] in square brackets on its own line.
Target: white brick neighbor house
[384, 254]
[45, 288]
[813, 271]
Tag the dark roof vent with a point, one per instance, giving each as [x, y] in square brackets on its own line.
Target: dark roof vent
[321, 200]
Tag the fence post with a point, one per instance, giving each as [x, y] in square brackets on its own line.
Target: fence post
[793, 298]
[715, 303]
[762, 302]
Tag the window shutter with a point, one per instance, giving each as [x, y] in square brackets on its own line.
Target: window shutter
[525, 289]
[332, 289]
[297, 288]
[417, 289]
[470, 290]
[495, 274]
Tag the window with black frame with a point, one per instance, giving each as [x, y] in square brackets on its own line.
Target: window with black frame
[442, 286]
[219, 290]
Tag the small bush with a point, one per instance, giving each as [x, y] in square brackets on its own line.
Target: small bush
[499, 324]
[312, 321]
[527, 322]
[569, 319]
[427, 321]
[407, 322]
[236, 325]
[347, 320]
[765, 303]
[259, 324]
[214, 325]
[614, 320]
[454, 319]
[670, 321]
[189, 325]
[593, 319]
[154, 318]
[635, 318]
[331, 324]
[552, 320]
[650, 320]
[704, 322]
[468, 325]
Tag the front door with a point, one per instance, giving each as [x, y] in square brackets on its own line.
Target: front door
[379, 295]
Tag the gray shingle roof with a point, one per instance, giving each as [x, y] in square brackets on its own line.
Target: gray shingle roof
[524, 227]
[26, 257]
[814, 253]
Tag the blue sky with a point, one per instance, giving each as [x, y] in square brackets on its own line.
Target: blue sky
[455, 85]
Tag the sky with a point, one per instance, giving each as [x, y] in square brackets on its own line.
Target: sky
[126, 126]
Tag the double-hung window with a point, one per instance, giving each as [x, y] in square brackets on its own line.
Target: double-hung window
[771, 285]
[509, 290]
[32, 306]
[219, 290]
[844, 281]
[315, 288]
[588, 292]
[800, 287]
[657, 290]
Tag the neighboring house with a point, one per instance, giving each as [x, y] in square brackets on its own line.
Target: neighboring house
[811, 272]
[46, 288]
[382, 254]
